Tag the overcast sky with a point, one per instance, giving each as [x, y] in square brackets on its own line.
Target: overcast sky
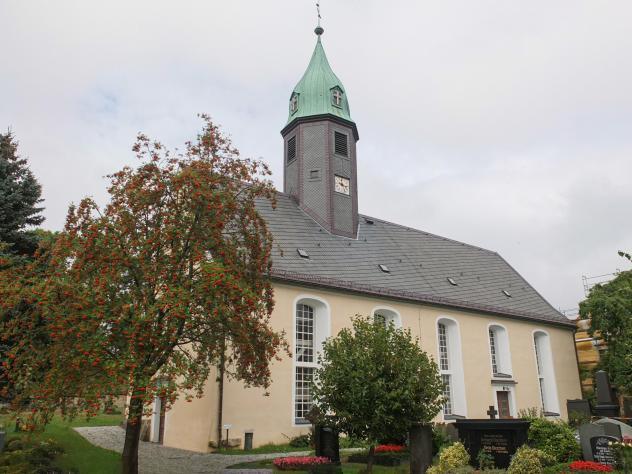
[504, 124]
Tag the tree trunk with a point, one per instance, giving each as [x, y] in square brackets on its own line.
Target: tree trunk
[369, 461]
[132, 436]
[220, 401]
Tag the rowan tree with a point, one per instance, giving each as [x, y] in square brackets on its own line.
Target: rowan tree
[609, 308]
[375, 382]
[138, 295]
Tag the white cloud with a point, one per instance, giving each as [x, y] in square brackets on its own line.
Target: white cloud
[503, 124]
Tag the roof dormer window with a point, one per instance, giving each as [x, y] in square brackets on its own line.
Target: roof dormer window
[336, 97]
[294, 103]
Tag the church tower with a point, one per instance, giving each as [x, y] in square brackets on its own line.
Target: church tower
[320, 169]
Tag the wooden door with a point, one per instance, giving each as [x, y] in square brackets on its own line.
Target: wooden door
[161, 431]
[503, 404]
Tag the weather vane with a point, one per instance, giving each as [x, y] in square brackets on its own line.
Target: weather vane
[318, 11]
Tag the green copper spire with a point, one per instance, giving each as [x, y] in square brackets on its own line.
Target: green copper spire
[319, 91]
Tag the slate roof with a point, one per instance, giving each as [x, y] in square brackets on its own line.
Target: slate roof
[419, 265]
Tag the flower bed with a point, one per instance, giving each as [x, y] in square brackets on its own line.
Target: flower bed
[299, 462]
[390, 448]
[582, 466]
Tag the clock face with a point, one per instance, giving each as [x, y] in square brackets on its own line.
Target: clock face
[341, 185]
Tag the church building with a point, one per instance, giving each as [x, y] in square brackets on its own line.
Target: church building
[496, 340]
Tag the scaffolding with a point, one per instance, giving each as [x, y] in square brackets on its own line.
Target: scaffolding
[590, 281]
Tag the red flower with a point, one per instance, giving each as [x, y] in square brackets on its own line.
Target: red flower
[299, 462]
[390, 448]
[578, 466]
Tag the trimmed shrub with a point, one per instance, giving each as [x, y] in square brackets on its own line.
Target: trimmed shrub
[555, 438]
[451, 458]
[527, 460]
[380, 459]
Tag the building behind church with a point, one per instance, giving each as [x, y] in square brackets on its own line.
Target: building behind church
[495, 338]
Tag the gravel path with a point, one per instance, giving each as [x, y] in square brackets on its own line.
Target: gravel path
[157, 459]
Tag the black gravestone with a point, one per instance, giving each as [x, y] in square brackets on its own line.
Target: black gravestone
[499, 438]
[579, 407]
[606, 403]
[327, 443]
[602, 451]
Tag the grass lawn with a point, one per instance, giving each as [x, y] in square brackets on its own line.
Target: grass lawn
[79, 456]
[265, 449]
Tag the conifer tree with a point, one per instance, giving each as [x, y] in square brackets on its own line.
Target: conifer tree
[20, 194]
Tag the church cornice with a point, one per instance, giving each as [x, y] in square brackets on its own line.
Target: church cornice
[320, 118]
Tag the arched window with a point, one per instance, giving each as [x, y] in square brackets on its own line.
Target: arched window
[499, 351]
[546, 375]
[311, 328]
[387, 316]
[451, 368]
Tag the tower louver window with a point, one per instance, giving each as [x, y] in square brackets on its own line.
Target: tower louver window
[340, 144]
[291, 149]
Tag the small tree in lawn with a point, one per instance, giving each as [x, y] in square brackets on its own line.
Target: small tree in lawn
[147, 292]
[375, 383]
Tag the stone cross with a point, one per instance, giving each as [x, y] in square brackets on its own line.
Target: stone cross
[492, 412]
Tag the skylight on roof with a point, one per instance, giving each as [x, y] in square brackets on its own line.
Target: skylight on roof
[302, 253]
[384, 268]
[506, 293]
[452, 281]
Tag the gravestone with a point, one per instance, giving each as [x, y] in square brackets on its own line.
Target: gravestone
[602, 451]
[327, 443]
[606, 403]
[592, 438]
[498, 438]
[578, 406]
[420, 437]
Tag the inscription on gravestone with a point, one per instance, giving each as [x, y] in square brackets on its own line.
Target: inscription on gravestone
[500, 438]
[601, 450]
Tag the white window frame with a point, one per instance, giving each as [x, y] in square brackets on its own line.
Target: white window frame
[391, 315]
[502, 352]
[455, 365]
[545, 371]
[321, 331]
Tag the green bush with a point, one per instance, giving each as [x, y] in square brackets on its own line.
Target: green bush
[440, 438]
[379, 459]
[554, 438]
[557, 468]
[451, 458]
[528, 460]
[302, 441]
[485, 461]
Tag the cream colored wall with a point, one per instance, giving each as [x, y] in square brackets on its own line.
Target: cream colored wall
[191, 426]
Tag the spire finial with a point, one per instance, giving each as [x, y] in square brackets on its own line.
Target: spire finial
[319, 29]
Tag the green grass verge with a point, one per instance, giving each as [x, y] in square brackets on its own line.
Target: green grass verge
[79, 456]
[266, 449]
